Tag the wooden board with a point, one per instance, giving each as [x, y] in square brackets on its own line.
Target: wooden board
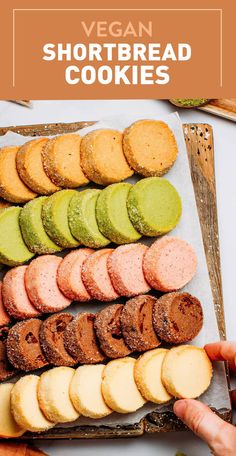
[223, 107]
[199, 142]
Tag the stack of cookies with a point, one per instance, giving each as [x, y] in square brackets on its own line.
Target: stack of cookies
[124, 385]
[121, 213]
[49, 283]
[43, 166]
[143, 323]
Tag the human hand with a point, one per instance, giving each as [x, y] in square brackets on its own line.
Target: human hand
[219, 435]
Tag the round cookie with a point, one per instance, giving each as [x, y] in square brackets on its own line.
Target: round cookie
[147, 375]
[14, 295]
[125, 267]
[107, 325]
[4, 204]
[4, 316]
[80, 339]
[6, 369]
[136, 323]
[41, 284]
[102, 157]
[8, 426]
[150, 147]
[33, 230]
[169, 264]
[55, 218]
[154, 206]
[69, 275]
[186, 371]
[51, 338]
[53, 395]
[177, 317]
[119, 388]
[30, 167]
[112, 214]
[86, 392]
[96, 278]
[13, 250]
[23, 347]
[12, 188]
[61, 161]
[82, 219]
[25, 405]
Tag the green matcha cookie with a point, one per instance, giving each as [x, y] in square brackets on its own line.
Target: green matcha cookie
[55, 218]
[33, 230]
[82, 219]
[112, 215]
[154, 206]
[13, 250]
[189, 102]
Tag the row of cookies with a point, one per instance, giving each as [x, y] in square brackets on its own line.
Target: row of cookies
[113, 332]
[43, 166]
[49, 283]
[120, 213]
[62, 394]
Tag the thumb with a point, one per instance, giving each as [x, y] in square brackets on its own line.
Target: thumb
[219, 435]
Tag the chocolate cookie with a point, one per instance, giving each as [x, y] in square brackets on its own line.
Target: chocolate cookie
[108, 329]
[136, 323]
[177, 317]
[80, 339]
[23, 347]
[51, 338]
[6, 370]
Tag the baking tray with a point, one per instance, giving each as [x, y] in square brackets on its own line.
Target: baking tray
[200, 147]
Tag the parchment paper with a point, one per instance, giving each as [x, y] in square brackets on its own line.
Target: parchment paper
[189, 229]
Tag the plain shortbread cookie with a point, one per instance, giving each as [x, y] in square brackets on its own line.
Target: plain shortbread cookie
[186, 371]
[53, 395]
[25, 405]
[8, 426]
[86, 392]
[119, 388]
[147, 375]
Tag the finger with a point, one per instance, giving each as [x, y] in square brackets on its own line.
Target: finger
[222, 351]
[219, 435]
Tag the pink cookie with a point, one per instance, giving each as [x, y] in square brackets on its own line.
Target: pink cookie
[41, 284]
[69, 275]
[14, 295]
[169, 264]
[4, 317]
[96, 278]
[125, 267]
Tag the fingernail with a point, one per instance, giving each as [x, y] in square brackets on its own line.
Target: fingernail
[180, 407]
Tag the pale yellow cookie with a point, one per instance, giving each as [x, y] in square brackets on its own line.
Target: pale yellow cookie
[25, 405]
[186, 371]
[8, 426]
[119, 388]
[30, 167]
[61, 160]
[53, 395]
[86, 391]
[150, 147]
[12, 188]
[102, 157]
[147, 375]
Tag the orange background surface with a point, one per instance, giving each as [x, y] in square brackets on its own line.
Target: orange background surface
[27, 26]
